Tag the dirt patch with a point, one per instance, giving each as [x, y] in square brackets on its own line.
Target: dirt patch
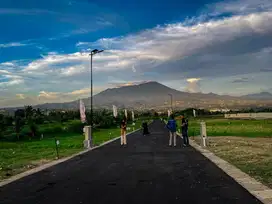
[40, 162]
[251, 155]
[8, 172]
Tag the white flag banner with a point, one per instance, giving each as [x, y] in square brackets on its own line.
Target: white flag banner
[132, 115]
[126, 113]
[82, 111]
[194, 112]
[114, 110]
[169, 113]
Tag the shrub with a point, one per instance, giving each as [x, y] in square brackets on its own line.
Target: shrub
[51, 128]
[75, 126]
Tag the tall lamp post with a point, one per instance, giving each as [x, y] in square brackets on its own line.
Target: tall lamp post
[93, 52]
[171, 98]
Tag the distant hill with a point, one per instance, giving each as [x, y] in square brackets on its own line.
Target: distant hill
[156, 95]
[262, 95]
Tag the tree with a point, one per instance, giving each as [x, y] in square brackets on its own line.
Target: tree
[2, 125]
[38, 116]
[33, 128]
[18, 126]
[20, 113]
[29, 112]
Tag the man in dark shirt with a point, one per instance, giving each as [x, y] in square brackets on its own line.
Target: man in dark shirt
[184, 131]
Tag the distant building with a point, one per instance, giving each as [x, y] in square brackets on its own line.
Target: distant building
[222, 110]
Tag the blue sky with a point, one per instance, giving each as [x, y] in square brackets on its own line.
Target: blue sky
[223, 47]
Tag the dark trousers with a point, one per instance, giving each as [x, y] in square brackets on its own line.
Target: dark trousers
[185, 137]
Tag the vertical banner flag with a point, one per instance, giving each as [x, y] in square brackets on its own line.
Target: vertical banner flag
[126, 113]
[82, 111]
[194, 112]
[114, 110]
[132, 115]
[169, 113]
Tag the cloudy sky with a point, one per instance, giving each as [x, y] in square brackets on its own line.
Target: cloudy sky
[223, 47]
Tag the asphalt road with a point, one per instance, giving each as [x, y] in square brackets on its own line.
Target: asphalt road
[147, 171]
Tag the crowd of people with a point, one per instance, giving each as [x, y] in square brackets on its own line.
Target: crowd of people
[171, 126]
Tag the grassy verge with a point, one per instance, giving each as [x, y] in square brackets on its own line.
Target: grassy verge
[227, 127]
[16, 157]
[251, 151]
[251, 155]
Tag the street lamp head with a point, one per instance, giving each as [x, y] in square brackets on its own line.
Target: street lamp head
[95, 51]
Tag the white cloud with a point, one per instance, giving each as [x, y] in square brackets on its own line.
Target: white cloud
[4, 71]
[82, 43]
[241, 6]
[198, 48]
[10, 79]
[9, 64]
[73, 70]
[193, 85]
[46, 97]
[193, 80]
[12, 44]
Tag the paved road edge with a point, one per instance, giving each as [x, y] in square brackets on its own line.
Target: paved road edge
[257, 189]
[53, 163]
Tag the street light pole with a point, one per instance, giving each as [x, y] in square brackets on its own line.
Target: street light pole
[91, 65]
[93, 52]
[171, 98]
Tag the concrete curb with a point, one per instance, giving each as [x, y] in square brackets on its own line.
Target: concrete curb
[53, 163]
[257, 189]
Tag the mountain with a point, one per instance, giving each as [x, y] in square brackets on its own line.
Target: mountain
[262, 95]
[156, 95]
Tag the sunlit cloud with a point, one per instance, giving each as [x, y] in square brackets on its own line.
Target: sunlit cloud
[21, 96]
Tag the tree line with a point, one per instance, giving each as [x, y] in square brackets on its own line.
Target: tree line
[27, 122]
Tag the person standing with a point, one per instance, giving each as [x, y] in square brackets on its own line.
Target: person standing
[145, 128]
[172, 127]
[123, 127]
[184, 131]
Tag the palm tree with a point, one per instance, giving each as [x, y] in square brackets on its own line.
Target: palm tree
[28, 112]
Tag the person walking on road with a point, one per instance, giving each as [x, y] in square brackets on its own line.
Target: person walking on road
[145, 128]
[172, 127]
[123, 127]
[184, 131]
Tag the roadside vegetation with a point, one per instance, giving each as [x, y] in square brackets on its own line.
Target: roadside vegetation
[28, 138]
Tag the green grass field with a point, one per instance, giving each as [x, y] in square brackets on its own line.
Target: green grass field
[252, 155]
[244, 143]
[16, 157]
[228, 127]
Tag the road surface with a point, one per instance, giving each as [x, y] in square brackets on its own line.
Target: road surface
[147, 171]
